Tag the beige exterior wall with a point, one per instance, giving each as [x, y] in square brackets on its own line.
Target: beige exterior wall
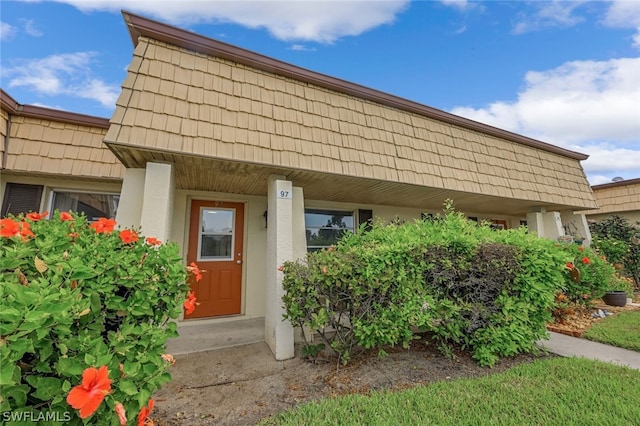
[180, 101]
[620, 198]
[255, 236]
[58, 148]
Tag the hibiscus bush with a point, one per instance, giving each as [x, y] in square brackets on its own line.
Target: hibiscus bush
[86, 313]
[588, 275]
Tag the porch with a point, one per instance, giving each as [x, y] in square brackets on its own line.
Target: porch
[205, 335]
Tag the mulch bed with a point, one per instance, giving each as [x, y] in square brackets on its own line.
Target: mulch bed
[581, 319]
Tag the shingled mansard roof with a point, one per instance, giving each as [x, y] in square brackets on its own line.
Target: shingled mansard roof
[49, 141]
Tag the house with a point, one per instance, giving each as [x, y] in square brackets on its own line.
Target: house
[621, 198]
[247, 161]
[54, 159]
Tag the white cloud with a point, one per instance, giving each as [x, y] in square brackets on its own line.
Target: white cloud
[307, 20]
[458, 4]
[65, 74]
[625, 14]
[30, 28]
[556, 13]
[587, 106]
[302, 48]
[7, 31]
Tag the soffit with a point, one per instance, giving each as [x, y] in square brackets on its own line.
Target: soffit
[217, 175]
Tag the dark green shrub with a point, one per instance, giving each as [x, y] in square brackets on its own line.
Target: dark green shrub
[81, 298]
[619, 241]
[489, 292]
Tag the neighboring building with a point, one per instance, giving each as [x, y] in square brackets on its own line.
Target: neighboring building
[247, 162]
[621, 198]
[54, 159]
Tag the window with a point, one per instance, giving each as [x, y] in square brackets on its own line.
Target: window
[21, 198]
[92, 205]
[216, 234]
[325, 227]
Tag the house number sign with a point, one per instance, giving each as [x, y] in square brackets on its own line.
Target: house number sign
[283, 194]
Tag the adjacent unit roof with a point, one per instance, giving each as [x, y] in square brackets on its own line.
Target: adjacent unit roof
[39, 140]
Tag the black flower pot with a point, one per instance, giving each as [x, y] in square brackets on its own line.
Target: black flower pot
[615, 298]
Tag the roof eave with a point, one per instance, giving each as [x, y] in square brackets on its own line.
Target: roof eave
[141, 26]
[43, 113]
[625, 182]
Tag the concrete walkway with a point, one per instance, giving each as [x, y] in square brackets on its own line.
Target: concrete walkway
[572, 346]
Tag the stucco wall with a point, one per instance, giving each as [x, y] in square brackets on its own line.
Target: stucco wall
[255, 235]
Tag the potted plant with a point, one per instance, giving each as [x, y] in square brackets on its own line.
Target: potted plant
[618, 292]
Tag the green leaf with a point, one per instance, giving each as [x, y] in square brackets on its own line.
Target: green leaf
[81, 273]
[70, 367]
[128, 387]
[9, 375]
[46, 387]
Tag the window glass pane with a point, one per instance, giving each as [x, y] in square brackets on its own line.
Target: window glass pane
[329, 219]
[324, 237]
[325, 227]
[217, 221]
[93, 206]
[215, 246]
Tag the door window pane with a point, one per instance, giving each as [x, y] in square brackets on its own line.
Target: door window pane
[217, 221]
[216, 234]
[216, 247]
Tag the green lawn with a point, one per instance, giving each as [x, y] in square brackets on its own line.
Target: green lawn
[621, 330]
[556, 391]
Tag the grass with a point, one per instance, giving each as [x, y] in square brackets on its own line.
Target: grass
[621, 330]
[558, 391]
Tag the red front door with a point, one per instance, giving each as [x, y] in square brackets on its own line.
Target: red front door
[215, 245]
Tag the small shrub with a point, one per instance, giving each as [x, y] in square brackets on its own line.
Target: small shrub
[619, 241]
[86, 312]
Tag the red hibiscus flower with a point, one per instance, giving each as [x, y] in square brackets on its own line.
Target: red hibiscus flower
[190, 303]
[581, 248]
[65, 216]
[280, 268]
[36, 216]
[25, 231]
[103, 225]
[570, 265]
[122, 414]
[128, 236]
[144, 413]
[193, 268]
[88, 395]
[153, 241]
[586, 260]
[9, 228]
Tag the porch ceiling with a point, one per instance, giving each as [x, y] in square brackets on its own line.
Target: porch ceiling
[208, 174]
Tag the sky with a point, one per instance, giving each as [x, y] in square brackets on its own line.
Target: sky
[564, 72]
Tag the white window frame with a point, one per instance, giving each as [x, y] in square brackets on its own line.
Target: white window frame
[201, 233]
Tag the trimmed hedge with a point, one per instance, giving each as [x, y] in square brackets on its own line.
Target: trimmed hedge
[489, 292]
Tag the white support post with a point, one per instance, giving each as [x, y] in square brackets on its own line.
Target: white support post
[157, 202]
[131, 194]
[545, 224]
[278, 332]
[577, 223]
